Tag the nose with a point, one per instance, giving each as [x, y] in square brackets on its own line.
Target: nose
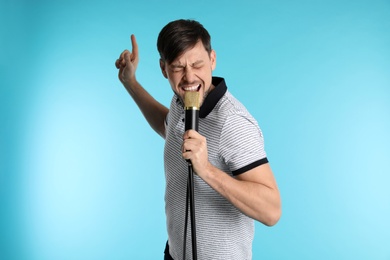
[189, 75]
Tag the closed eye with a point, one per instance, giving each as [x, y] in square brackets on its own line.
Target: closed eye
[177, 68]
[197, 65]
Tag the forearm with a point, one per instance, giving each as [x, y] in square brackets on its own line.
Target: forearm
[256, 200]
[153, 111]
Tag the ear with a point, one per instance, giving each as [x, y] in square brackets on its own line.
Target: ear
[213, 59]
[163, 69]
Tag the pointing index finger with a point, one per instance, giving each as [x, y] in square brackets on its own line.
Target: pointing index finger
[134, 44]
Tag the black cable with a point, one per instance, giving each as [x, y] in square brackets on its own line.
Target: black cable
[185, 223]
[192, 211]
[191, 199]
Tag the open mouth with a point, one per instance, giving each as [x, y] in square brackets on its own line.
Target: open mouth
[192, 88]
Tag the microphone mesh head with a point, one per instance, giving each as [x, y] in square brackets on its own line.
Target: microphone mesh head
[191, 100]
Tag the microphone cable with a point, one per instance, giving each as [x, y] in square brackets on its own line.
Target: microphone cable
[190, 202]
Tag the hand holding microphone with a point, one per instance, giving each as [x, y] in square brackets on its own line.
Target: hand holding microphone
[194, 144]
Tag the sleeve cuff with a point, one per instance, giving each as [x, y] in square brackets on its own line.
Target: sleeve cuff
[250, 166]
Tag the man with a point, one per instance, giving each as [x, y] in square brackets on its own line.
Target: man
[234, 183]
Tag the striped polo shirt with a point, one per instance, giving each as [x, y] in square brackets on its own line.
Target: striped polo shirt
[235, 145]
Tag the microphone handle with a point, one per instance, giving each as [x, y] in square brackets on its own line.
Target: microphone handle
[191, 119]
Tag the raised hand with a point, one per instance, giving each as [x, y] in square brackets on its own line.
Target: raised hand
[127, 64]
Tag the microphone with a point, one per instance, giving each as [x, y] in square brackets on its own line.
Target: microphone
[191, 107]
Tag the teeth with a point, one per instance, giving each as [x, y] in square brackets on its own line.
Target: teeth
[191, 88]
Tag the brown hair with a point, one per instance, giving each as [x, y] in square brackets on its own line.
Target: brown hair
[179, 36]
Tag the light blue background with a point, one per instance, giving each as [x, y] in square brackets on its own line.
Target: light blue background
[82, 172]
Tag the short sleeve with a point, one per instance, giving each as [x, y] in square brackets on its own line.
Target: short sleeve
[242, 144]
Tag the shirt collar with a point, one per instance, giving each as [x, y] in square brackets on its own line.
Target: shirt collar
[213, 97]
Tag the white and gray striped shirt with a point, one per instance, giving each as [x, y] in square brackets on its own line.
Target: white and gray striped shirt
[235, 145]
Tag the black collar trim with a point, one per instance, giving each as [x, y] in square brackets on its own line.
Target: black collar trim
[213, 97]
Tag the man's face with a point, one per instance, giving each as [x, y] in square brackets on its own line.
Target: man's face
[192, 71]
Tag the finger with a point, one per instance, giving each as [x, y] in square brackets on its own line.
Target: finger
[186, 152]
[134, 50]
[186, 134]
[186, 146]
[126, 58]
[122, 54]
[118, 63]
[186, 156]
[190, 134]
[190, 144]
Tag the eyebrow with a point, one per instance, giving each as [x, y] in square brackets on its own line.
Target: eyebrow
[197, 63]
[178, 65]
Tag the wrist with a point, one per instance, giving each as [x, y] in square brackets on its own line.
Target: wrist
[130, 83]
[207, 171]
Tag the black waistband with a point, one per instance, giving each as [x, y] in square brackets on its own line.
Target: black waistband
[167, 256]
